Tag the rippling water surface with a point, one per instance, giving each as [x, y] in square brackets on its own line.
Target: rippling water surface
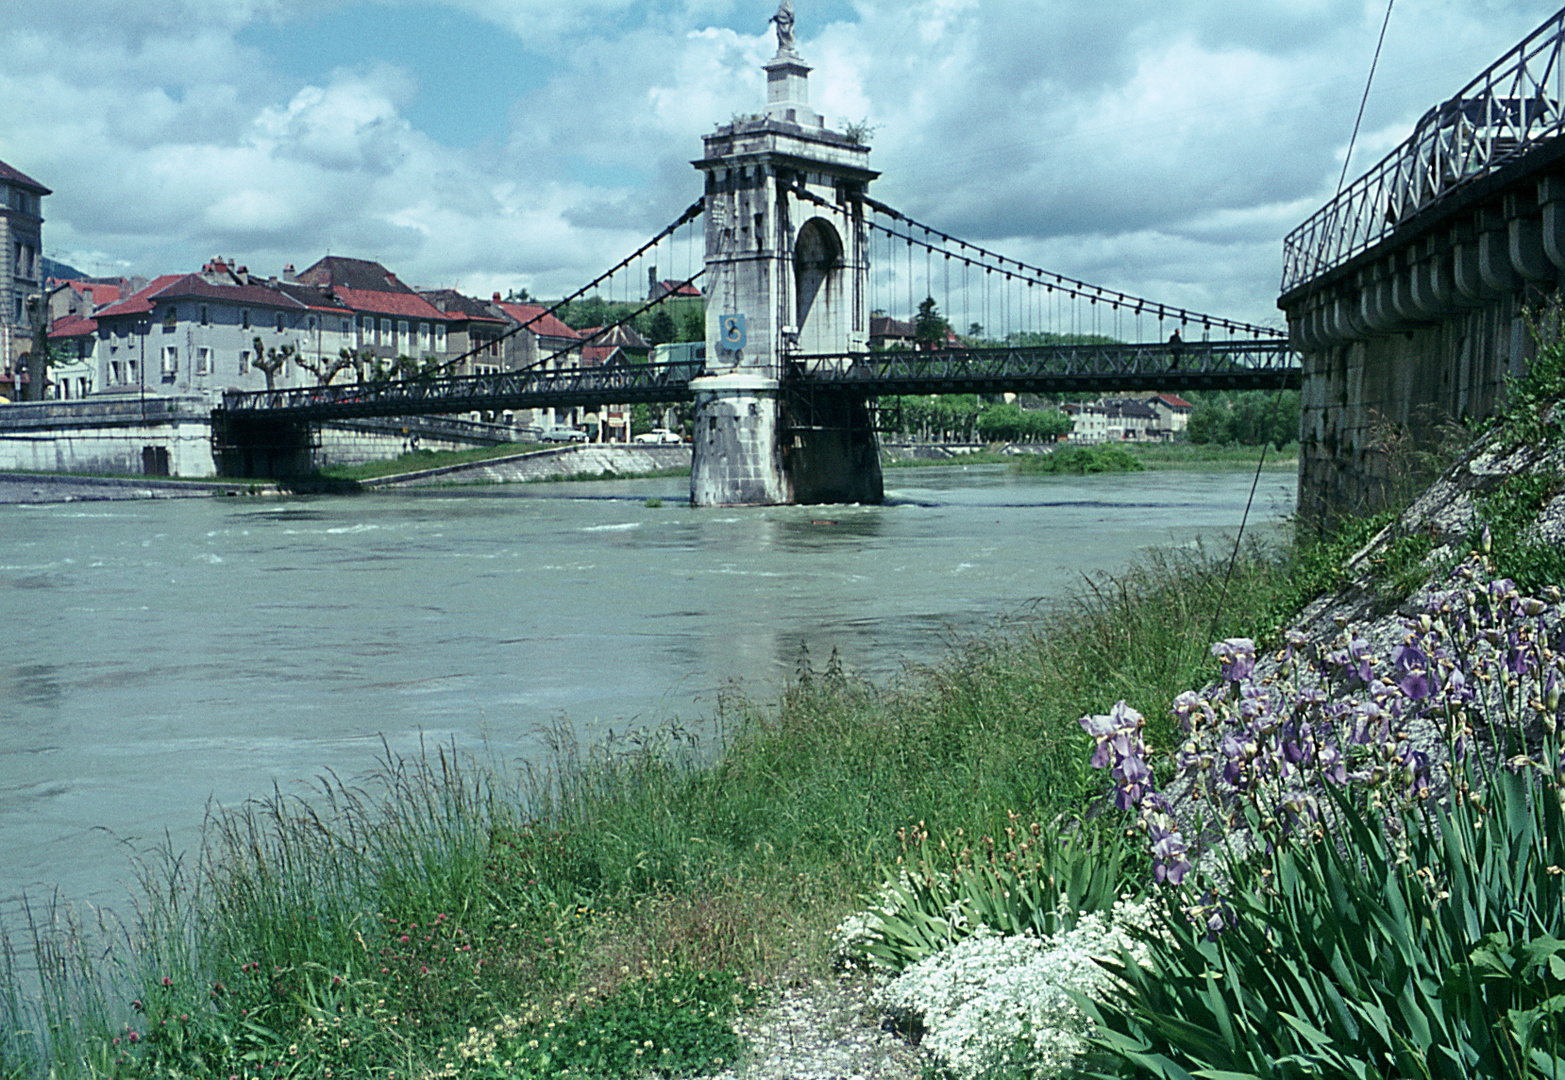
[160, 654]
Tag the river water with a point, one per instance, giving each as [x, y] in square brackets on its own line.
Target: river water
[161, 654]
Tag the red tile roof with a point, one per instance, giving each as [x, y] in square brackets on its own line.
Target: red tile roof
[21, 179]
[1175, 400]
[548, 326]
[194, 286]
[597, 355]
[339, 271]
[408, 305]
[73, 326]
[102, 293]
[141, 301]
[679, 290]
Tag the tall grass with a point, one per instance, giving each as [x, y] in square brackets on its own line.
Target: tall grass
[441, 892]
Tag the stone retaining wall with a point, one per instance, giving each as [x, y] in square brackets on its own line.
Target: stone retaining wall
[557, 463]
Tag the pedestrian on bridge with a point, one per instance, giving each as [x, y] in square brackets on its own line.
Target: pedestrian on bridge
[1176, 349]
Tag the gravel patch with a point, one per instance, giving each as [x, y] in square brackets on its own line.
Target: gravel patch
[823, 1030]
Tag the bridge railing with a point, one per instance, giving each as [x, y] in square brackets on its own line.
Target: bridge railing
[1511, 107]
[1265, 362]
[618, 383]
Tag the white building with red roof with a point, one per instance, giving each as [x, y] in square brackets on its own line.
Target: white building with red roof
[1173, 413]
[202, 334]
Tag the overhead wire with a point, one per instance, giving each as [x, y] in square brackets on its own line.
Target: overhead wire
[1233, 557]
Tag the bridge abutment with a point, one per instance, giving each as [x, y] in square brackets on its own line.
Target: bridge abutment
[736, 457]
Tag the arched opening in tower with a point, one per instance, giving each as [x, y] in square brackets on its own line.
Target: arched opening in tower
[821, 299]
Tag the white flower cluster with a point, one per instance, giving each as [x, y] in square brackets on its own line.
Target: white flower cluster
[988, 999]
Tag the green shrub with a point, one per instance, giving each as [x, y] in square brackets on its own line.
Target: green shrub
[1105, 457]
[1030, 879]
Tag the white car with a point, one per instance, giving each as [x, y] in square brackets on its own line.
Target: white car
[659, 436]
[562, 434]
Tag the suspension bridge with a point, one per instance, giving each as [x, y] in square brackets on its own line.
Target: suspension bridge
[795, 261]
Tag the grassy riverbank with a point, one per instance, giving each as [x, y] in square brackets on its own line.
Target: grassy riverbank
[449, 894]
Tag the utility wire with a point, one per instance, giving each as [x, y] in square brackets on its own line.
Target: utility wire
[1233, 558]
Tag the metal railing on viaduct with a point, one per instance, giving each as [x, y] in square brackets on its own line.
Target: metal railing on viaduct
[1501, 122]
[1228, 365]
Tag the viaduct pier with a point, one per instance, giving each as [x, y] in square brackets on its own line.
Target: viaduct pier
[1414, 295]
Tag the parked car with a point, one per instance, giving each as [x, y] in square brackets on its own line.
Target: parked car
[560, 433]
[658, 436]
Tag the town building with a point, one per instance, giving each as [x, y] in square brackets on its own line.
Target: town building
[390, 320]
[1173, 413]
[1127, 419]
[73, 340]
[474, 332]
[21, 270]
[83, 296]
[538, 339]
[206, 333]
[888, 333]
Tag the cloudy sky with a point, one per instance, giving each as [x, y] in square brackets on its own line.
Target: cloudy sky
[1159, 146]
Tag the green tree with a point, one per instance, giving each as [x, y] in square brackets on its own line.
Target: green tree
[660, 327]
[1011, 423]
[1244, 417]
[692, 327]
[929, 326]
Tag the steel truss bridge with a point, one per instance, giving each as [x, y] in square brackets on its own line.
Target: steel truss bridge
[1226, 365]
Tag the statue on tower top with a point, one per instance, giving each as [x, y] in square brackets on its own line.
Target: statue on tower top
[784, 21]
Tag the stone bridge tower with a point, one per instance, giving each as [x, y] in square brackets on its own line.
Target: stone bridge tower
[786, 276]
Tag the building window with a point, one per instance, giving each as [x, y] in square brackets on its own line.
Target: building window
[244, 320]
[206, 319]
[312, 323]
[203, 361]
[347, 327]
[385, 333]
[170, 359]
[279, 322]
[440, 337]
[402, 335]
[170, 317]
[244, 362]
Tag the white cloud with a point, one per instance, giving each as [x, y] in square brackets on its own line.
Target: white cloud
[1155, 145]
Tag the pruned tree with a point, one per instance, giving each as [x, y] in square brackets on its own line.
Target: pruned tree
[271, 361]
[325, 370]
[39, 355]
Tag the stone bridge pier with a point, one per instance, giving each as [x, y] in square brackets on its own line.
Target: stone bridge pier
[1421, 329]
[786, 267]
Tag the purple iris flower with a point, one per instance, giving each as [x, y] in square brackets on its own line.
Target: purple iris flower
[1237, 656]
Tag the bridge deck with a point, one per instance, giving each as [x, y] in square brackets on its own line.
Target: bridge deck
[1249, 365]
[1237, 365]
